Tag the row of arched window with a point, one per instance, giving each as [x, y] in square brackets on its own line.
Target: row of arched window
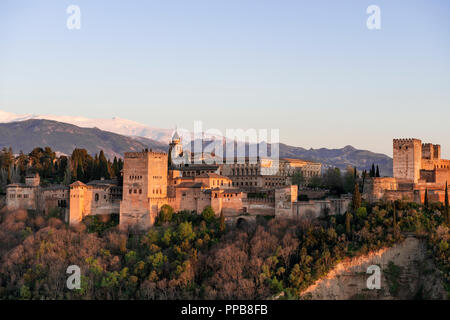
[246, 183]
[244, 172]
[130, 191]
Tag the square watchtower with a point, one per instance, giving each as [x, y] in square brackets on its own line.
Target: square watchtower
[407, 160]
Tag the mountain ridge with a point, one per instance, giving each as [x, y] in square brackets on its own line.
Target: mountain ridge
[63, 138]
[19, 136]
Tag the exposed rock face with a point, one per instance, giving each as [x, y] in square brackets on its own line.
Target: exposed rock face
[406, 273]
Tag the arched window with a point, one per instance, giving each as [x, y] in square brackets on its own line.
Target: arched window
[96, 197]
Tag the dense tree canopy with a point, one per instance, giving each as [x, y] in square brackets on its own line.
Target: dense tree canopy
[56, 170]
[191, 255]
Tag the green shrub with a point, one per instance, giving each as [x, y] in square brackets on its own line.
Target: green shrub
[208, 214]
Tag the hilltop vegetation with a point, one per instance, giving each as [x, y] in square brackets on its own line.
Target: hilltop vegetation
[80, 165]
[194, 256]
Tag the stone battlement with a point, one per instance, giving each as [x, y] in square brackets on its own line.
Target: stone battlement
[143, 154]
[416, 166]
[403, 141]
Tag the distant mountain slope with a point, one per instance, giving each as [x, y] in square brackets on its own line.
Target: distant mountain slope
[115, 124]
[64, 137]
[341, 158]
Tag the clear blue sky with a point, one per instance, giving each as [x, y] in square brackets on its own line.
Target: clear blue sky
[310, 68]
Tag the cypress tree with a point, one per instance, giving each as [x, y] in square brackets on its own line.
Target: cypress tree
[425, 200]
[446, 210]
[378, 172]
[80, 173]
[364, 175]
[115, 167]
[394, 216]
[96, 168]
[103, 166]
[222, 223]
[348, 218]
[169, 158]
[8, 180]
[372, 171]
[356, 199]
[67, 175]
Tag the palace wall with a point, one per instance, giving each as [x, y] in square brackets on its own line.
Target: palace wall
[21, 197]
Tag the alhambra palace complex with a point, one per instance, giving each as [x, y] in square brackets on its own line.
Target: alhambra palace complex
[149, 182]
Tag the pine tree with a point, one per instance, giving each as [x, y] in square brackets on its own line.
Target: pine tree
[425, 201]
[378, 172]
[446, 210]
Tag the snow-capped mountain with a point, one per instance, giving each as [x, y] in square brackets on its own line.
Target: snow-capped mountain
[23, 136]
[116, 125]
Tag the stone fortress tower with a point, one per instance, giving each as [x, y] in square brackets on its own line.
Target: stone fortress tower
[144, 188]
[417, 169]
[407, 159]
[419, 162]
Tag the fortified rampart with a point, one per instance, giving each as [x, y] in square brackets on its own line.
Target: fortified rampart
[417, 167]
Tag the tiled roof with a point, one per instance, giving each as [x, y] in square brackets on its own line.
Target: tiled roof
[103, 182]
[211, 175]
[55, 187]
[78, 184]
[196, 167]
[190, 185]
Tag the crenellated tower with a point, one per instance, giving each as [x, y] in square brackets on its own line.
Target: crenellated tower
[407, 159]
[144, 187]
